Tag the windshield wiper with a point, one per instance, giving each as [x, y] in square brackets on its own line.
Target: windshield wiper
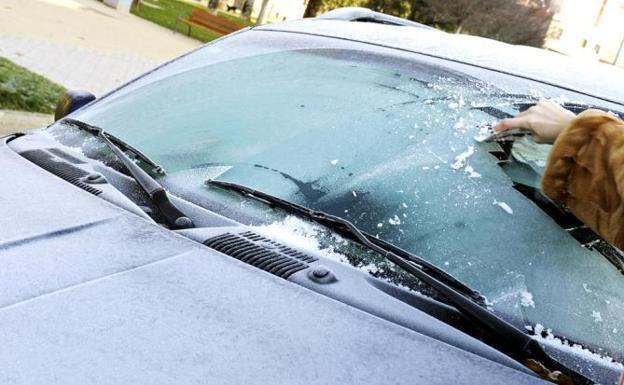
[337, 223]
[158, 195]
[509, 339]
[156, 168]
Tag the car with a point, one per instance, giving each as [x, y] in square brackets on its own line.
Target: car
[308, 202]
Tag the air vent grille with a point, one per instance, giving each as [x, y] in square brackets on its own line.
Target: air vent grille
[261, 252]
[66, 171]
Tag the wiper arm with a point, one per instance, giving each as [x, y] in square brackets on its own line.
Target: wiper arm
[118, 142]
[157, 194]
[337, 223]
[510, 340]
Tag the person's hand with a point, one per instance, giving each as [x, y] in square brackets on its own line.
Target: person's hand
[545, 121]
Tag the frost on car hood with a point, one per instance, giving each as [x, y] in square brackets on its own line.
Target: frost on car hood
[93, 294]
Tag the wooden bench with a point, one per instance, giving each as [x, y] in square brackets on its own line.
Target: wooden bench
[205, 19]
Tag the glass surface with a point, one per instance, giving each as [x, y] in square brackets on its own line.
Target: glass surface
[388, 143]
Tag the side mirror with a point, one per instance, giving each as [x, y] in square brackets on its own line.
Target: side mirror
[70, 101]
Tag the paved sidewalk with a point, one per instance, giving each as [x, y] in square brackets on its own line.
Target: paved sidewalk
[16, 121]
[83, 44]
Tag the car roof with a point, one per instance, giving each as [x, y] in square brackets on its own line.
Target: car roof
[582, 76]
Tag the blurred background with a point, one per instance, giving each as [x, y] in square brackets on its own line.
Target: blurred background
[47, 46]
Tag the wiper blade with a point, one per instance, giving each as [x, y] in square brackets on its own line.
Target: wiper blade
[158, 195]
[509, 339]
[333, 221]
[118, 142]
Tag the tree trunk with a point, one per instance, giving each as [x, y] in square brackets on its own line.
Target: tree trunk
[313, 8]
[213, 4]
[247, 8]
[263, 12]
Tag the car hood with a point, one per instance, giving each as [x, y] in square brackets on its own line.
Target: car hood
[93, 294]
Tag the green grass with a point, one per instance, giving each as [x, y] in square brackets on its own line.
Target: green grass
[23, 90]
[166, 12]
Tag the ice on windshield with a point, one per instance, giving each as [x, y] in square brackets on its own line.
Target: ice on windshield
[389, 144]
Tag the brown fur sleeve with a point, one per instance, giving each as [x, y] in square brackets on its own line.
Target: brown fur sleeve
[585, 172]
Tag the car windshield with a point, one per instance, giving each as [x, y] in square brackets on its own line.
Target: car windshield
[386, 140]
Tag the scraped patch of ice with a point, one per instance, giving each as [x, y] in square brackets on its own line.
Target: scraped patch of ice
[461, 159]
[503, 206]
[525, 150]
[526, 299]
[576, 349]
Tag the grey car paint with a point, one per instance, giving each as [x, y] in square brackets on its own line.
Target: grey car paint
[91, 293]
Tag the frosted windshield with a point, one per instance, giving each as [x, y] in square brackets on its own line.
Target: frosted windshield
[390, 144]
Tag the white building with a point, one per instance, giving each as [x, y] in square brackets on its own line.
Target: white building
[593, 29]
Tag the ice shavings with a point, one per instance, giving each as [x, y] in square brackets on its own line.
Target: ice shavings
[311, 238]
[503, 206]
[485, 131]
[596, 316]
[394, 221]
[460, 124]
[459, 103]
[461, 159]
[299, 234]
[526, 299]
[544, 336]
[468, 170]
[333, 162]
